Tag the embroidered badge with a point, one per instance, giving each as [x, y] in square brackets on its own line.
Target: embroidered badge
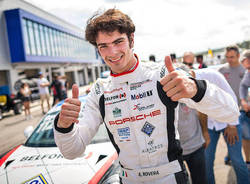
[117, 112]
[148, 128]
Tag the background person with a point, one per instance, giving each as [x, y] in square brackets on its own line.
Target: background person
[56, 87]
[231, 133]
[199, 59]
[25, 92]
[233, 71]
[245, 104]
[65, 86]
[43, 85]
[188, 59]
[194, 138]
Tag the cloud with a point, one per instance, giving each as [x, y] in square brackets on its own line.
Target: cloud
[165, 26]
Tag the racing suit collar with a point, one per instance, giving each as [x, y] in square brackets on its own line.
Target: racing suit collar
[126, 76]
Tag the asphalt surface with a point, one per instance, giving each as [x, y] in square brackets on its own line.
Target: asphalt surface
[12, 128]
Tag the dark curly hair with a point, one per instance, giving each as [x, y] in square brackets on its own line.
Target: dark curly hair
[110, 21]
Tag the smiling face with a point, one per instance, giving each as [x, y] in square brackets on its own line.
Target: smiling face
[116, 50]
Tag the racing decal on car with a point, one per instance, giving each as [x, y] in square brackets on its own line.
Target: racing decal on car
[148, 128]
[152, 147]
[139, 107]
[41, 157]
[142, 95]
[135, 118]
[36, 180]
[134, 86]
[117, 112]
[124, 134]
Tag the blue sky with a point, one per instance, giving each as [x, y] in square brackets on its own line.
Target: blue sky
[166, 26]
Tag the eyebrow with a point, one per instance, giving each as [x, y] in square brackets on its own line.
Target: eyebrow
[118, 39]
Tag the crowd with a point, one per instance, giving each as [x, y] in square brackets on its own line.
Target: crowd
[149, 146]
[58, 88]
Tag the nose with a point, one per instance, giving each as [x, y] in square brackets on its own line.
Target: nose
[112, 49]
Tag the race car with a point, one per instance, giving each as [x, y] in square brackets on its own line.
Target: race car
[39, 161]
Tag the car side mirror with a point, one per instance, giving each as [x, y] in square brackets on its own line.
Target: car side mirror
[28, 131]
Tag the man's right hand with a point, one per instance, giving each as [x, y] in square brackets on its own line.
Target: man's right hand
[70, 109]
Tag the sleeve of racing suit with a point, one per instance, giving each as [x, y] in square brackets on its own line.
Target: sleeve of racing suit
[216, 103]
[72, 144]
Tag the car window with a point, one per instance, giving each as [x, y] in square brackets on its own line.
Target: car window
[43, 135]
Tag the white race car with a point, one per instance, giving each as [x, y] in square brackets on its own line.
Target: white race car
[39, 161]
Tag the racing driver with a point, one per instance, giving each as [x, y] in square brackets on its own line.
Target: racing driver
[138, 104]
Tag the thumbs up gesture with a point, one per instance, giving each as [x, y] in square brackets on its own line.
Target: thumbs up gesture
[70, 109]
[176, 84]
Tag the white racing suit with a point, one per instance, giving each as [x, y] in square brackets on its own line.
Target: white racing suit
[142, 123]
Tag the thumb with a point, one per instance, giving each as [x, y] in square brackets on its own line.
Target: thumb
[75, 91]
[169, 64]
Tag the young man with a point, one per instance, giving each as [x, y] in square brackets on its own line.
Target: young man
[245, 104]
[139, 100]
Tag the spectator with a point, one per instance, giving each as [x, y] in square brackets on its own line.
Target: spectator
[233, 71]
[199, 59]
[65, 86]
[245, 104]
[231, 133]
[173, 57]
[194, 138]
[43, 84]
[188, 59]
[56, 87]
[152, 58]
[25, 92]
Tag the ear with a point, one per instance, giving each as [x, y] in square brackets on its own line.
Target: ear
[131, 41]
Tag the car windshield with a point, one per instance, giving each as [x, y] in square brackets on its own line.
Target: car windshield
[43, 135]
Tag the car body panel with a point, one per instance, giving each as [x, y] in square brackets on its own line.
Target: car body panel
[43, 162]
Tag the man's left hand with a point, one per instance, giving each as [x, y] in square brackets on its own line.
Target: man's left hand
[177, 84]
[231, 134]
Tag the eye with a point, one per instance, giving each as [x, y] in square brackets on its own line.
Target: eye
[118, 41]
[102, 46]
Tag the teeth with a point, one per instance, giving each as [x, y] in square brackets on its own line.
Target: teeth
[114, 60]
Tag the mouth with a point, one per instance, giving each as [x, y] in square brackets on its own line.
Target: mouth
[115, 59]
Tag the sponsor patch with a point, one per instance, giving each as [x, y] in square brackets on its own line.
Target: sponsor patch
[114, 90]
[163, 71]
[138, 117]
[142, 95]
[115, 97]
[110, 103]
[139, 107]
[36, 180]
[148, 128]
[136, 85]
[124, 134]
[152, 147]
[117, 112]
[97, 89]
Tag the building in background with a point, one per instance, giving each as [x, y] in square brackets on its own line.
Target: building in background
[33, 40]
